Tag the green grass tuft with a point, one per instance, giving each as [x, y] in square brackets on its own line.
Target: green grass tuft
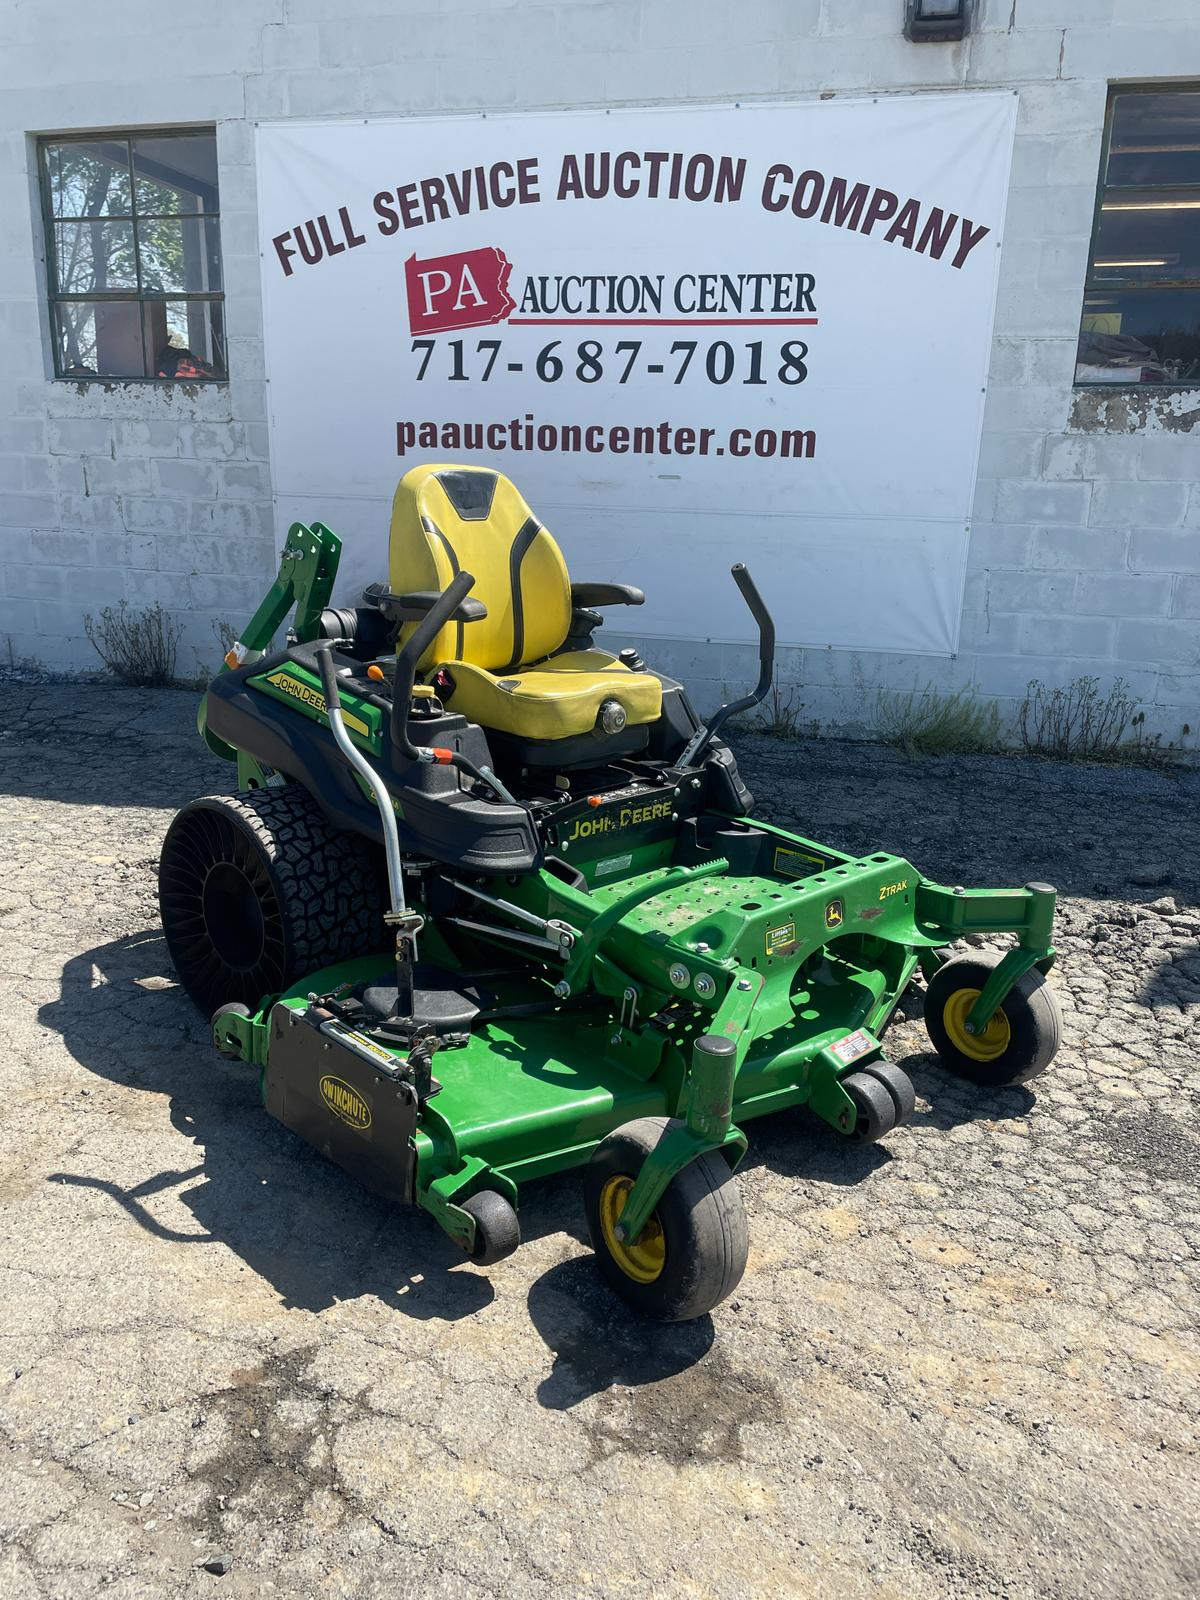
[930, 722]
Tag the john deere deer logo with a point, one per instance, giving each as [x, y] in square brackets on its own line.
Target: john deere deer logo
[345, 1103]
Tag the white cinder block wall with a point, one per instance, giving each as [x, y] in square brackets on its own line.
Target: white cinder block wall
[1085, 552]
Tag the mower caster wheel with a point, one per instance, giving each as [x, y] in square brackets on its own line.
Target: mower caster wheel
[692, 1252]
[898, 1084]
[1019, 1042]
[874, 1106]
[234, 1008]
[497, 1231]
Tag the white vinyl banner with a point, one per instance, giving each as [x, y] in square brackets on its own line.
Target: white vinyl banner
[690, 337]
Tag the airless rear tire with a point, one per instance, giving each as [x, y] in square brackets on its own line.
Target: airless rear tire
[692, 1253]
[257, 889]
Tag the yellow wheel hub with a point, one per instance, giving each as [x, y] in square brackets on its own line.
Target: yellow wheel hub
[989, 1045]
[642, 1259]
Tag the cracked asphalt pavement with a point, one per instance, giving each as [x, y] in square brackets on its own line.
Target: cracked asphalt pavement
[962, 1362]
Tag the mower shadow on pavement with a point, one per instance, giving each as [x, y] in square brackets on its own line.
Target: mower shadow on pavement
[306, 1228]
[949, 1102]
[294, 1219]
[598, 1343]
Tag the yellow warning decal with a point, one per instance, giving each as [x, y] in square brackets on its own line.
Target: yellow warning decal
[313, 699]
[791, 863]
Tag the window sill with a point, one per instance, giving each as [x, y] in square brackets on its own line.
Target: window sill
[1135, 408]
[133, 399]
[144, 383]
[1137, 388]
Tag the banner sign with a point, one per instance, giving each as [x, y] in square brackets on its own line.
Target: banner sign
[690, 337]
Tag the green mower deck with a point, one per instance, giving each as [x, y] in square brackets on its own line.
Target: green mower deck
[535, 1095]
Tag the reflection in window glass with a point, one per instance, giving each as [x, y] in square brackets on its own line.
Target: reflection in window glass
[100, 339]
[175, 176]
[186, 339]
[1140, 337]
[1153, 139]
[179, 255]
[1141, 312]
[1149, 235]
[133, 226]
[89, 180]
[94, 257]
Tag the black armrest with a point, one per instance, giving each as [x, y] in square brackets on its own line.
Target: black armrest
[606, 594]
[411, 607]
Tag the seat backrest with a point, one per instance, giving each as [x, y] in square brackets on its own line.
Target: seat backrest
[448, 519]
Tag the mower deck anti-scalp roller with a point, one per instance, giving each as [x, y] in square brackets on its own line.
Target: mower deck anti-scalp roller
[491, 903]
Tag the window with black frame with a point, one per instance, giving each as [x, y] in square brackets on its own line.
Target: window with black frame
[134, 256]
[1141, 309]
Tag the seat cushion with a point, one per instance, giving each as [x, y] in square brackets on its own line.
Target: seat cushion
[554, 699]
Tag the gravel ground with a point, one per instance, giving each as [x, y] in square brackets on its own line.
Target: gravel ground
[964, 1362]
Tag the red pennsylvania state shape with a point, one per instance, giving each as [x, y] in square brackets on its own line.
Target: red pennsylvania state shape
[469, 290]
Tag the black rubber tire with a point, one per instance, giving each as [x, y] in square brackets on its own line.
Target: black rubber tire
[257, 889]
[237, 1009]
[873, 1104]
[1030, 1008]
[700, 1214]
[898, 1084]
[497, 1230]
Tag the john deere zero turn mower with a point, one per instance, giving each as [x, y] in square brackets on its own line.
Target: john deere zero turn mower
[490, 902]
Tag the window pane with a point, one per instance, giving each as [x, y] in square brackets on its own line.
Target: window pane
[1140, 336]
[185, 339]
[1151, 235]
[101, 339]
[1155, 138]
[177, 175]
[180, 254]
[94, 257]
[89, 180]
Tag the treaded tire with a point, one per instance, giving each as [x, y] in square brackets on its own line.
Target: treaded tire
[497, 1230]
[256, 889]
[1030, 1009]
[701, 1217]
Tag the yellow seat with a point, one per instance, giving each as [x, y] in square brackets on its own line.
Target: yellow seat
[506, 675]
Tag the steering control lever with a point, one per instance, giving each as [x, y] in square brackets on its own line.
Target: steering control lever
[766, 669]
[451, 603]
